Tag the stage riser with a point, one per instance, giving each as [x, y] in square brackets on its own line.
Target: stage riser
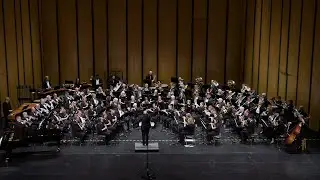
[152, 147]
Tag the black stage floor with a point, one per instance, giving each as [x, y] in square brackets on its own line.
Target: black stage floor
[120, 162]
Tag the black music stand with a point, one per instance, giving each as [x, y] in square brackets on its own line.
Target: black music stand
[149, 174]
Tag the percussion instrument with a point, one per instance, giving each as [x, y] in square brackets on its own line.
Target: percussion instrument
[164, 85]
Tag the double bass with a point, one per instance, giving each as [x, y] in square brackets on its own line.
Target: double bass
[295, 131]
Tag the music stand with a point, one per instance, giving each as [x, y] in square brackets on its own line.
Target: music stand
[149, 174]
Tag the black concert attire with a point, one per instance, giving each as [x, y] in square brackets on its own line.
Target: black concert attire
[96, 82]
[145, 128]
[46, 84]
[213, 132]
[112, 82]
[101, 131]
[6, 111]
[78, 132]
[149, 80]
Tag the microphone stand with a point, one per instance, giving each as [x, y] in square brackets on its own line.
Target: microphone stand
[149, 174]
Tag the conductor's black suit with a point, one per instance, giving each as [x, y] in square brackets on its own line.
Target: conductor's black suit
[145, 128]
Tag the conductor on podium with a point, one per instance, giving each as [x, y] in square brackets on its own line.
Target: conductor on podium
[145, 128]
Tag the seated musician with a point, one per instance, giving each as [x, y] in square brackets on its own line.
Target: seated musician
[248, 125]
[189, 126]
[94, 101]
[91, 112]
[78, 128]
[113, 81]
[189, 123]
[100, 93]
[145, 102]
[188, 106]
[132, 100]
[20, 128]
[304, 114]
[213, 129]
[114, 103]
[46, 83]
[155, 93]
[27, 121]
[44, 108]
[55, 99]
[146, 89]
[102, 129]
[182, 97]
[220, 94]
[123, 98]
[173, 102]
[160, 103]
[84, 104]
[49, 102]
[167, 119]
[289, 112]
[112, 119]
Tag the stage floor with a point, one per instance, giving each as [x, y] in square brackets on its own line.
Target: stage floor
[120, 162]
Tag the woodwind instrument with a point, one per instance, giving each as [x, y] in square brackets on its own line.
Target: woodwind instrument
[184, 121]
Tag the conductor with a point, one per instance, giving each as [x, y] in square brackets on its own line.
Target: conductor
[145, 128]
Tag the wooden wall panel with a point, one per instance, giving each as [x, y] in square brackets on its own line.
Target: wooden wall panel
[256, 48]
[274, 53]
[184, 39]
[35, 38]
[27, 45]
[10, 40]
[3, 58]
[264, 46]
[284, 48]
[233, 59]
[216, 40]
[85, 42]
[249, 46]
[117, 35]
[19, 43]
[167, 40]
[305, 53]
[285, 55]
[144, 30]
[199, 39]
[293, 49]
[67, 40]
[134, 41]
[50, 41]
[315, 78]
[150, 31]
[100, 38]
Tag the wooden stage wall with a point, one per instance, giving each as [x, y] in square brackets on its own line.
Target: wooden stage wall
[20, 47]
[282, 56]
[186, 38]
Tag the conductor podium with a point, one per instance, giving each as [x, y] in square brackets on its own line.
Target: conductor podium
[152, 147]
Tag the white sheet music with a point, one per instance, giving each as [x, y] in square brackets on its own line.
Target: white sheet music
[151, 123]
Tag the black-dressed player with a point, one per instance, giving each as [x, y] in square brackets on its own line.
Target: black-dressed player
[145, 128]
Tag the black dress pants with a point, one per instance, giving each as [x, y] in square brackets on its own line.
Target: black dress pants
[145, 136]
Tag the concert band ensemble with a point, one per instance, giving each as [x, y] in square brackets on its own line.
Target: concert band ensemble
[80, 110]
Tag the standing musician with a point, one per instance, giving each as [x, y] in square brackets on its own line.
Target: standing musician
[145, 128]
[150, 78]
[46, 83]
[6, 111]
